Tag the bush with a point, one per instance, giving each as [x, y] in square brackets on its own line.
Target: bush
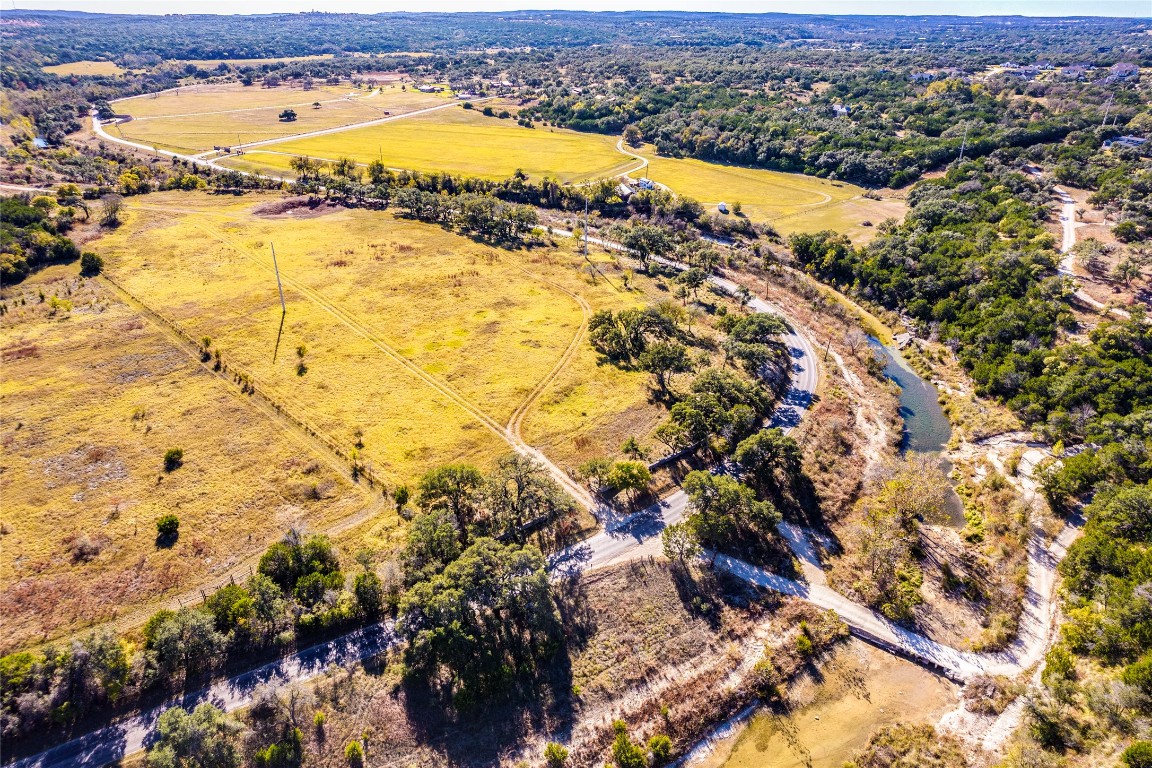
[354, 754]
[555, 755]
[168, 525]
[1138, 755]
[661, 748]
[173, 458]
[91, 264]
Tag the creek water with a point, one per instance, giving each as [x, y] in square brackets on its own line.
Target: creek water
[833, 713]
[926, 428]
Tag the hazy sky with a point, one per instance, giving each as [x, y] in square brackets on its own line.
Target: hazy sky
[1142, 8]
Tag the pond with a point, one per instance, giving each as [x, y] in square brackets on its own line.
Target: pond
[926, 428]
[859, 690]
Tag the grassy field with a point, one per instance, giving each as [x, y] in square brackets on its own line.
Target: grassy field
[91, 398]
[791, 202]
[458, 141]
[85, 68]
[201, 117]
[368, 295]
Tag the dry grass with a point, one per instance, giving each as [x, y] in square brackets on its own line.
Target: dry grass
[82, 68]
[369, 294]
[458, 141]
[91, 400]
[201, 117]
[791, 202]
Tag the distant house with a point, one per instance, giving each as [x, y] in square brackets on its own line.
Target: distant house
[1125, 71]
[427, 89]
[1127, 142]
[841, 110]
[923, 77]
[646, 184]
[1075, 72]
[624, 191]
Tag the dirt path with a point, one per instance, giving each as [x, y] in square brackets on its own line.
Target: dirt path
[211, 162]
[516, 422]
[1070, 225]
[347, 97]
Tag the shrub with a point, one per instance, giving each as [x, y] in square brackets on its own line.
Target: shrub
[661, 748]
[555, 755]
[168, 525]
[173, 458]
[91, 264]
[167, 528]
[1138, 755]
[354, 754]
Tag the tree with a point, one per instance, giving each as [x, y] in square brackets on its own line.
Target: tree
[186, 640]
[632, 135]
[633, 450]
[203, 738]
[631, 477]
[521, 493]
[455, 488]
[292, 558]
[369, 592]
[91, 264]
[725, 512]
[111, 206]
[643, 241]
[772, 459]
[288, 115]
[488, 615]
[1127, 270]
[693, 279]
[231, 607]
[663, 359]
[680, 544]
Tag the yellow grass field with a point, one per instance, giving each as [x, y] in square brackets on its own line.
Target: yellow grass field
[90, 399]
[791, 202]
[199, 118]
[458, 141]
[85, 68]
[369, 297]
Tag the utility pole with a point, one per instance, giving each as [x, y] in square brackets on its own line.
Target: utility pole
[963, 145]
[1107, 109]
[279, 287]
[585, 227]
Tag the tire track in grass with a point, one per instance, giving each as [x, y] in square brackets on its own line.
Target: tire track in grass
[516, 421]
[373, 337]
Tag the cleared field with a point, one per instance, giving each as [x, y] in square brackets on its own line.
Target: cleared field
[458, 141]
[209, 63]
[202, 117]
[792, 202]
[81, 68]
[367, 293]
[90, 399]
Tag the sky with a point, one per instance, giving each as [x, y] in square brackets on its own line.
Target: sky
[1139, 8]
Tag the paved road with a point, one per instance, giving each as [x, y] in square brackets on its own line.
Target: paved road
[132, 734]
